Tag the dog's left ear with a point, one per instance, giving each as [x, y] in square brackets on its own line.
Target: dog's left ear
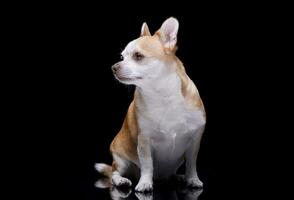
[168, 33]
[145, 30]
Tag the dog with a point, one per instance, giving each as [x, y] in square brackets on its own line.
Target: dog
[165, 121]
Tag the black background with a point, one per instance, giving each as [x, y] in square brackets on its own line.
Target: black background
[79, 107]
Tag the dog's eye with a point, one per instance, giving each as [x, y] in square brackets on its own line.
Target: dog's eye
[138, 56]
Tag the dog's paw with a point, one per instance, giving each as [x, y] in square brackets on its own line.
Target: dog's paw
[194, 182]
[117, 193]
[121, 181]
[144, 186]
[142, 196]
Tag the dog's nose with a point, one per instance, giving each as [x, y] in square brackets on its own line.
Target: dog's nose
[115, 67]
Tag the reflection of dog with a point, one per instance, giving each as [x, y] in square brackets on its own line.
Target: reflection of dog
[165, 121]
[117, 193]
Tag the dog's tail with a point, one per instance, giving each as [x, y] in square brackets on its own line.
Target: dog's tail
[104, 169]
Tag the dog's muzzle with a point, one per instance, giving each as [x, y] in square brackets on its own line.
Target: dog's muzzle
[115, 67]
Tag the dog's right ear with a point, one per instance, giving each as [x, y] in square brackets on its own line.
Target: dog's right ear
[145, 30]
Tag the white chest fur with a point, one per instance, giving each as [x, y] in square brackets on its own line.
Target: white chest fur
[166, 118]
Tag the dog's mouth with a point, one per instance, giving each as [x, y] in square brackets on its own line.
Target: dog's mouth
[126, 79]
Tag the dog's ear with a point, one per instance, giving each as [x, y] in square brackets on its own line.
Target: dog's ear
[145, 30]
[168, 33]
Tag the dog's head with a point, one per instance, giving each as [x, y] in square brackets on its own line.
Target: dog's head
[149, 57]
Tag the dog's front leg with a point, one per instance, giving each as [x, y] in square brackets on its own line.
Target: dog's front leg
[146, 164]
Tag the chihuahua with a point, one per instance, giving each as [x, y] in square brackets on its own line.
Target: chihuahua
[166, 119]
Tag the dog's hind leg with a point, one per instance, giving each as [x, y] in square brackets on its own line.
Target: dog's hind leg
[191, 174]
[120, 168]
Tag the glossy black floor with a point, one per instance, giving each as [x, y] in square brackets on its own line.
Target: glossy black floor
[82, 184]
[160, 192]
[87, 186]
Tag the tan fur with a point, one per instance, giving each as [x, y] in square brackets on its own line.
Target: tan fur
[125, 142]
[189, 90]
[151, 47]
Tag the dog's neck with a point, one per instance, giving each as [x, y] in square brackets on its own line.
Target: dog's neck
[163, 90]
